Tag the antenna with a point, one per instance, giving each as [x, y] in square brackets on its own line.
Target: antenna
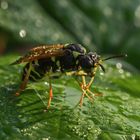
[115, 56]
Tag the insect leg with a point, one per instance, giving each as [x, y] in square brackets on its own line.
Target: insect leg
[50, 93]
[94, 94]
[82, 85]
[25, 80]
[83, 94]
[89, 85]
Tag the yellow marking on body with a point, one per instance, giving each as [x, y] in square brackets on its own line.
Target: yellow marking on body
[84, 50]
[77, 73]
[77, 62]
[75, 54]
[70, 73]
[81, 72]
[65, 45]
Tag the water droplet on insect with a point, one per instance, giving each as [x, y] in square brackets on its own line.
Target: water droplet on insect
[4, 5]
[22, 33]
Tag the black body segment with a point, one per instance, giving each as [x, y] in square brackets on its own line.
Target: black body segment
[88, 61]
[59, 63]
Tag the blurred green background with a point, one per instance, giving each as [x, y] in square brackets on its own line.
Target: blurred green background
[105, 26]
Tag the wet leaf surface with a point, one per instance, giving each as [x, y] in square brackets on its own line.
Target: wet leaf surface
[115, 115]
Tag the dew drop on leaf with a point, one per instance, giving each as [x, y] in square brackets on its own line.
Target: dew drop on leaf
[22, 33]
[4, 5]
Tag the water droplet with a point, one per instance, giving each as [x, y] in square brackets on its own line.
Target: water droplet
[22, 33]
[119, 65]
[128, 74]
[85, 136]
[101, 73]
[106, 88]
[38, 23]
[46, 83]
[107, 11]
[76, 132]
[133, 136]
[89, 128]
[123, 76]
[137, 17]
[46, 138]
[137, 12]
[121, 71]
[4, 5]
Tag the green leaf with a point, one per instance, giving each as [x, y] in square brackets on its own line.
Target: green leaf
[115, 115]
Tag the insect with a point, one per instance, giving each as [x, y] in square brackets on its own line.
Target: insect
[69, 59]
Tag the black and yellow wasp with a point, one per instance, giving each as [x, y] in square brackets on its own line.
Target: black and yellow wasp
[69, 59]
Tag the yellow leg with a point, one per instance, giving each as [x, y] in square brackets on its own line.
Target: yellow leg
[94, 94]
[92, 78]
[25, 80]
[50, 94]
[85, 89]
[90, 83]
[82, 87]
[81, 99]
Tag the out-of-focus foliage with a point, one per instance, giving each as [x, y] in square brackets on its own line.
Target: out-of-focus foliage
[108, 27]
[105, 26]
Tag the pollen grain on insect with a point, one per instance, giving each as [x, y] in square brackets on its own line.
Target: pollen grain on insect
[44, 47]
